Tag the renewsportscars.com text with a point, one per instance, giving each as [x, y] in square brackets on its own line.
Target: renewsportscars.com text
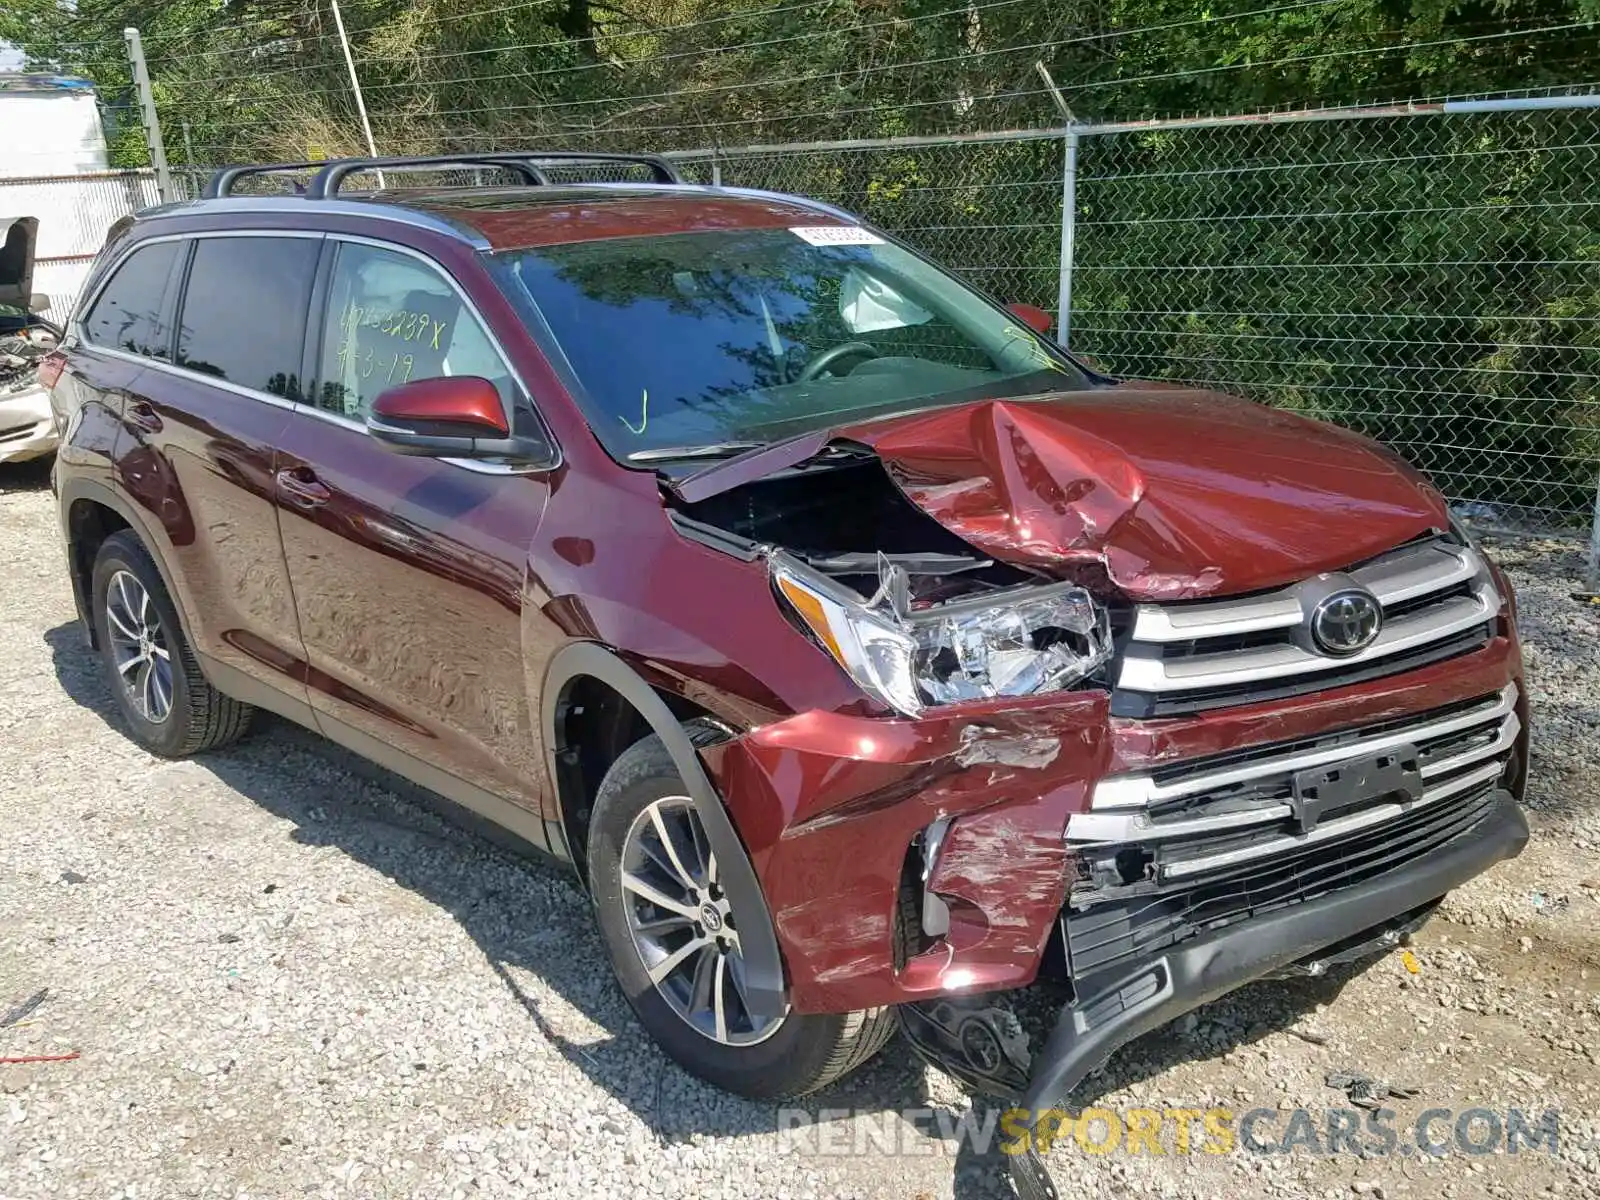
[1159, 1131]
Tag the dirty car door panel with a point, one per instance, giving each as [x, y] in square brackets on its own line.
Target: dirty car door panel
[408, 571]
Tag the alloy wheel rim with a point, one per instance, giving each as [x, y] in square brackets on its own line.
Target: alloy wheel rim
[139, 647]
[683, 926]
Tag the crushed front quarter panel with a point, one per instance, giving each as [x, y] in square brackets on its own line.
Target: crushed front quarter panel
[829, 805]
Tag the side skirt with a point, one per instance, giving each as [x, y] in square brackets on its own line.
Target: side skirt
[451, 797]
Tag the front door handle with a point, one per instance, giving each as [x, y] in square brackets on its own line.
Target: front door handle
[302, 488]
[143, 417]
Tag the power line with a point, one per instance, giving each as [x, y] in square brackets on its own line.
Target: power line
[205, 103]
[581, 67]
[1329, 54]
[772, 119]
[856, 73]
[252, 76]
[856, 28]
[601, 130]
[310, 11]
[595, 37]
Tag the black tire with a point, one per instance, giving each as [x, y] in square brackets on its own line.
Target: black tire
[805, 1052]
[200, 717]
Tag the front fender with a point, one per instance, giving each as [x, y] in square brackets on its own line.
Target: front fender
[763, 962]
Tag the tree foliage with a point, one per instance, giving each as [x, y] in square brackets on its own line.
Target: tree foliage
[267, 78]
[1432, 281]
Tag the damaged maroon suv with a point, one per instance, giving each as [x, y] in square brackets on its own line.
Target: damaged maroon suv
[867, 655]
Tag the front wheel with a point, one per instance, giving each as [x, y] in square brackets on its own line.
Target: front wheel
[672, 933]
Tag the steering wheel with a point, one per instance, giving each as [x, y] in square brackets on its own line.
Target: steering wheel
[833, 354]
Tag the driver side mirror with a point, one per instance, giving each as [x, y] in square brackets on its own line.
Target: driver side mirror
[1032, 316]
[458, 416]
[38, 302]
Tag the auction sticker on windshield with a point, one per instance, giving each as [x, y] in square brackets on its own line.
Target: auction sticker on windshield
[836, 235]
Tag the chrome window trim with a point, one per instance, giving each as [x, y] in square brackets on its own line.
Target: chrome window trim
[1141, 791]
[481, 468]
[86, 303]
[226, 385]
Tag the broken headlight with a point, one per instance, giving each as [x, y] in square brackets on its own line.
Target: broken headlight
[1010, 642]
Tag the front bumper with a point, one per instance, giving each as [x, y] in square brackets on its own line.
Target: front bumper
[833, 810]
[1336, 927]
[1207, 967]
[27, 425]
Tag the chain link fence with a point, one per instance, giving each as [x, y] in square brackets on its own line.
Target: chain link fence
[1432, 281]
[1429, 278]
[1427, 275]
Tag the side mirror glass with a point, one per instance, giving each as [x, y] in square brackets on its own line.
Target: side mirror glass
[1032, 316]
[38, 302]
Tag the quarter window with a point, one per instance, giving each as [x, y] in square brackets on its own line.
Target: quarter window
[392, 319]
[131, 312]
[244, 311]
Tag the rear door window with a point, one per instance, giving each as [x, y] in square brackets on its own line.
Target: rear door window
[392, 319]
[131, 314]
[244, 311]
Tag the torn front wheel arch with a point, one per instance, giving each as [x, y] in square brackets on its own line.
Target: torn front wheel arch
[758, 940]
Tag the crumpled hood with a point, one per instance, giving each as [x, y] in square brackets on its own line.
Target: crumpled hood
[1179, 493]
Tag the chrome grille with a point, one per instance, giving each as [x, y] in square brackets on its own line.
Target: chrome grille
[1438, 600]
[1105, 935]
[1211, 813]
[1192, 846]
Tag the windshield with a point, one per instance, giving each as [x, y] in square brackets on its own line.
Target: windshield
[739, 337]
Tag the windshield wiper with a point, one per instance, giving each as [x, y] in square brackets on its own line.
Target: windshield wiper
[710, 450]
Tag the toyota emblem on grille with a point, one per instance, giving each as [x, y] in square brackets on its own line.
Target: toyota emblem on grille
[1346, 622]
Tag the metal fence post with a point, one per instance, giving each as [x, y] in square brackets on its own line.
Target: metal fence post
[1069, 225]
[1594, 542]
[152, 123]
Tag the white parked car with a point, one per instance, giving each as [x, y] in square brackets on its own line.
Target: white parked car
[27, 424]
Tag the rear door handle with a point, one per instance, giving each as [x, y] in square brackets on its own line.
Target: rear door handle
[143, 416]
[301, 487]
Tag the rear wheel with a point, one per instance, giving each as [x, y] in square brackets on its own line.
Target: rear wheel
[672, 933]
[170, 708]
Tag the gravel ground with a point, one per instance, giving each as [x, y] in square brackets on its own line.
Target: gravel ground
[287, 977]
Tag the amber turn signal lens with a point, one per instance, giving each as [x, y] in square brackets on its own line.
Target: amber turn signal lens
[811, 612]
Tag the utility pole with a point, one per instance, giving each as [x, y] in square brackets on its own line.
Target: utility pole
[355, 83]
[152, 123]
